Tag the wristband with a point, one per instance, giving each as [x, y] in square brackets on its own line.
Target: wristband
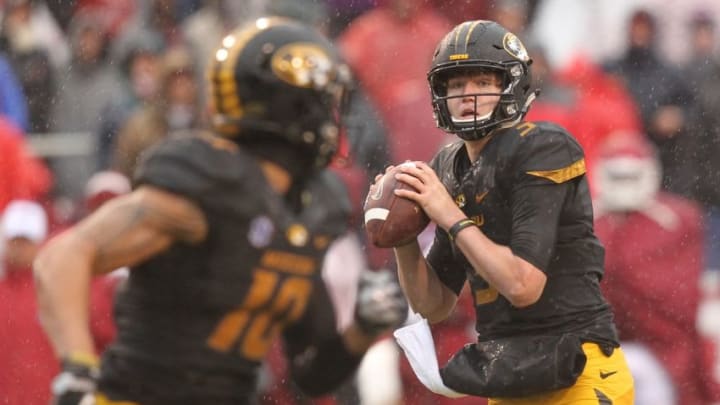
[454, 230]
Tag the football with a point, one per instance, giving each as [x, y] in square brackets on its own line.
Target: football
[391, 220]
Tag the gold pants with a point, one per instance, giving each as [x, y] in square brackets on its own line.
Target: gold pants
[605, 381]
[101, 399]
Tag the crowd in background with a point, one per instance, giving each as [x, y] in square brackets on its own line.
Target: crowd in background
[120, 75]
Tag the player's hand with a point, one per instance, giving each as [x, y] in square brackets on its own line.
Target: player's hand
[77, 381]
[380, 304]
[380, 175]
[430, 194]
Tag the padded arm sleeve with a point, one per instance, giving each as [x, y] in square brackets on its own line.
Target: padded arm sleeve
[441, 260]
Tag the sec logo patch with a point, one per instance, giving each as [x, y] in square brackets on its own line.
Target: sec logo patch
[261, 232]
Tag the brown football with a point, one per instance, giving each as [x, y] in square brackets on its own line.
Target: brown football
[391, 220]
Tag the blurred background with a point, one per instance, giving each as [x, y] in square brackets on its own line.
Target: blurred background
[87, 85]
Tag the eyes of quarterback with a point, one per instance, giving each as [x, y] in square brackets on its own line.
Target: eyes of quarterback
[482, 82]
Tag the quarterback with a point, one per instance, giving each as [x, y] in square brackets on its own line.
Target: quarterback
[514, 220]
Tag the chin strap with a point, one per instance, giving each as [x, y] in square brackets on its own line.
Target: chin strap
[524, 110]
[530, 100]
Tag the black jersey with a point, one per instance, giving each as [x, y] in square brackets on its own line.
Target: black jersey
[528, 191]
[196, 321]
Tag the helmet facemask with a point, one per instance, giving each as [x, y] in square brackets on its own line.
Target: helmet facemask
[507, 110]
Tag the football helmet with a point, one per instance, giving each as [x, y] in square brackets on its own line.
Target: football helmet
[276, 77]
[483, 46]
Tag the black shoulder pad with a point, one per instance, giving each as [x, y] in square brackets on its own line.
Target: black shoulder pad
[197, 166]
[547, 153]
[445, 157]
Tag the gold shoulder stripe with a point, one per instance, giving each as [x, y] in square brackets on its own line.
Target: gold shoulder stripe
[562, 175]
[459, 56]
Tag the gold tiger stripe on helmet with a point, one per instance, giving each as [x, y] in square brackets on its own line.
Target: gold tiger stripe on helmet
[224, 98]
[458, 30]
[470, 30]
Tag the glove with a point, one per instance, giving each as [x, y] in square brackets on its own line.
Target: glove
[380, 303]
[77, 381]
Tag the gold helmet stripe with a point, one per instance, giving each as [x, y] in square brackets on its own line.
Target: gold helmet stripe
[458, 30]
[470, 30]
[225, 99]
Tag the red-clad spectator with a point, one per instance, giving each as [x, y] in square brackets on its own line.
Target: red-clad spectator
[22, 176]
[602, 106]
[102, 187]
[28, 363]
[556, 101]
[27, 359]
[458, 11]
[653, 243]
[390, 48]
[116, 13]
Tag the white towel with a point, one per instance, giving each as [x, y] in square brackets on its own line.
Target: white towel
[417, 342]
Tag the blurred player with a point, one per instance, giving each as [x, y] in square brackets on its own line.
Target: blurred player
[514, 219]
[225, 236]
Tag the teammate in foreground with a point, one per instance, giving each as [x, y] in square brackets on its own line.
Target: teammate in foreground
[225, 235]
[514, 218]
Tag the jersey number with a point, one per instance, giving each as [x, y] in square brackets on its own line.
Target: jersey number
[269, 304]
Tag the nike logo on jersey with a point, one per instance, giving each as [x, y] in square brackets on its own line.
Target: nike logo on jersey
[606, 374]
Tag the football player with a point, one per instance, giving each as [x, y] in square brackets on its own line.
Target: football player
[514, 219]
[225, 235]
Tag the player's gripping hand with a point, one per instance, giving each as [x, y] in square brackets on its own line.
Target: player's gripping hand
[77, 381]
[380, 304]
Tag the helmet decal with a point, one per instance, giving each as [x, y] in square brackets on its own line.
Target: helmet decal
[458, 56]
[515, 47]
[302, 65]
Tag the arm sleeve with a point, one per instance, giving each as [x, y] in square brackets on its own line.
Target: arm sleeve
[319, 361]
[440, 257]
[549, 164]
[441, 260]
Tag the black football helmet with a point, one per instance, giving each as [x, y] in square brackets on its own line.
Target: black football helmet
[485, 46]
[278, 78]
